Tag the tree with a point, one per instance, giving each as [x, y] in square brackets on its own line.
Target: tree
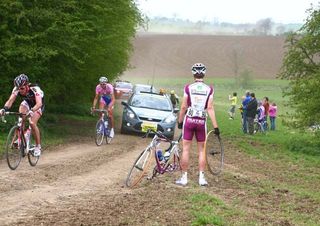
[264, 26]
[301, 66]
[65, 45]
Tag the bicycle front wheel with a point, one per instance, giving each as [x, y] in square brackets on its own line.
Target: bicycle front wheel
[139, 168]
[214, 153]
[33, 160]
[14, 148]
[99, 133]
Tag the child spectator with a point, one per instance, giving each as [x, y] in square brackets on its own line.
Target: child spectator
[261, 113]
[234, 100]
[273, 115]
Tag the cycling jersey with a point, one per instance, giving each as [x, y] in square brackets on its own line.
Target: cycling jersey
[198, 95]
[105, 93]
[29, 100]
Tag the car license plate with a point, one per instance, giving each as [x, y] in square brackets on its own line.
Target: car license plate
[148, 125]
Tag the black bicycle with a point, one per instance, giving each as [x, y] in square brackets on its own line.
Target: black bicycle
[20, 142]
[214, 153]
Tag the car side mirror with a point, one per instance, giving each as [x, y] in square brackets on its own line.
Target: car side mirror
[124, 103]
[175, 110]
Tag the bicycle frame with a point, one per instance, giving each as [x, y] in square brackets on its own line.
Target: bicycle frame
[165, 166]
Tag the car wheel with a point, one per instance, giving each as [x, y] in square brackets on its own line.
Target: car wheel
[123, 130]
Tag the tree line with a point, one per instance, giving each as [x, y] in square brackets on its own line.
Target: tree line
[65, 45]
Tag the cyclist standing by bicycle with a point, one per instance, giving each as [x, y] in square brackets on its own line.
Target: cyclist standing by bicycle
[32, 105]
[197, 102]
[104, 91]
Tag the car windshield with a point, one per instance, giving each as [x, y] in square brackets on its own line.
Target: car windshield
[124, 85]
[152, 102]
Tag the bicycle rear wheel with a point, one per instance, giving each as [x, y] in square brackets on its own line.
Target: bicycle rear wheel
[139, 168]
[99, 135]
[214, 153]
[33, 160]
[14, 148]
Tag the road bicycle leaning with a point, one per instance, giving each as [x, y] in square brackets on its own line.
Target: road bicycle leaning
[103, 127]
[165, 161]
[20, 142]
[214, 153]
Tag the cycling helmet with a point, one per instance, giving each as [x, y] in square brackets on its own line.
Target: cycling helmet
[21, 80]
[103, 79]
[198, 68]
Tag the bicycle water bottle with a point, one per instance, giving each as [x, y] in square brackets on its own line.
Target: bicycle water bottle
[166, 155]
[27, 134]
[159, 155]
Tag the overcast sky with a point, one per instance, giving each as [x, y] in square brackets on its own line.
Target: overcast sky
[233, 11]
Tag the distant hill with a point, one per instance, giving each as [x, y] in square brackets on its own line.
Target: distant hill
[173, 55]
[178, 26]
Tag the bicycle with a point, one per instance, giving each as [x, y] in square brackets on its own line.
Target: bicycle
[260, 126]
[20, 142]
[168, 161]
[214, 152]
[103, 127]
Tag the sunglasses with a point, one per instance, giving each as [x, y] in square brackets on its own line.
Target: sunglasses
[22, 88]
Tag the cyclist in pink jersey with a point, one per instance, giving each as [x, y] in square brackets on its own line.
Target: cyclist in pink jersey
[104, 91]
[197, 102]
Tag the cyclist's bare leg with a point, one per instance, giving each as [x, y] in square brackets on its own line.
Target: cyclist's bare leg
[101, 107]
[111, 117]
[35, 129]
[202, 156]
[34, 119]
[185, 155]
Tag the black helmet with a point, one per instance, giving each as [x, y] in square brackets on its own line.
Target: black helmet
[21, 80]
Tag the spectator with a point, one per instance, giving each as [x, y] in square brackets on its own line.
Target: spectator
[251, 111]
[174, 98]
[266, 105]
[245, 102]
[273, 114]
[234, 100]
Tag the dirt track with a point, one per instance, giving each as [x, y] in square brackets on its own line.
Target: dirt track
[63, 175]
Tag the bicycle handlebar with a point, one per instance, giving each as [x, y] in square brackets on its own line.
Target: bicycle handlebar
[100, 110]
[160, 135]
[14, 113]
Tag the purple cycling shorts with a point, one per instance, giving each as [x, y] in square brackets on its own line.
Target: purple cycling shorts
[195, 126]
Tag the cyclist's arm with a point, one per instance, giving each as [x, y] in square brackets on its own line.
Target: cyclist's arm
[38, 104]
[211, 113]
[184, 107]
[10, 101]
[95, 100]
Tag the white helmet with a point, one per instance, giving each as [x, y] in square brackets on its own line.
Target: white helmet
[103, 79]
[198, 68]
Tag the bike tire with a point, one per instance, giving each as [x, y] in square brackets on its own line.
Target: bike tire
[14, 148]
[108, 138]
[99, 133]
[139, 168]
[33, 160]
[214, 153]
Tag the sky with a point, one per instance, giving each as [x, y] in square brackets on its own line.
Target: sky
[232, 11]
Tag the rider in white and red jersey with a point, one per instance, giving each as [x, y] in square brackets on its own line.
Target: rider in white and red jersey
[104, 91]
[197, 102]
[32, 104]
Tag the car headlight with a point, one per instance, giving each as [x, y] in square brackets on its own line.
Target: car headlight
[170, 119]
[130, 114]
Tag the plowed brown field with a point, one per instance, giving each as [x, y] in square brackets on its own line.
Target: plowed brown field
[173, 55]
